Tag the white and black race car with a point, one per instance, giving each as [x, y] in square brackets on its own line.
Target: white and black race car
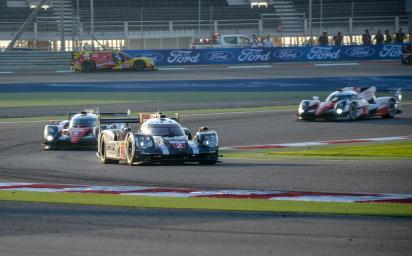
[350, 103]
[158, 139]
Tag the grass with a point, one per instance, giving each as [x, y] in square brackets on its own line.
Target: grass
[370, 150]
[37, 99]
[370, 209]
[181, 112]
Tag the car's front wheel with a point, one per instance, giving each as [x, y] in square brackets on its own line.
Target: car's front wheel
[391, 109]
[353, 110]
[139, 65]
[130, 151]
[88, 66]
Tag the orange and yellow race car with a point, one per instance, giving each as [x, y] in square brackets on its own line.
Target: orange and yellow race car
[90, 61]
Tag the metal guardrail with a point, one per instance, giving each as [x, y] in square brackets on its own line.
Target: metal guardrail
[45, 29]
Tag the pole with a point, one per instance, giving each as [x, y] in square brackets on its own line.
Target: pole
[321, 16]
[199, 14]
[62, 44]
[211, 18]
[77, 9]
[92, 21]
[310, 22]
[141, 28]
[351, 22]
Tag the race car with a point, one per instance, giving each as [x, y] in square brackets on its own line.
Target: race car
[90, 61]
[350, 103]
[79, 130]
[406, 56]
[158, 139]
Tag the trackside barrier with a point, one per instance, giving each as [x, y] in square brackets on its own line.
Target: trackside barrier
[270, 55]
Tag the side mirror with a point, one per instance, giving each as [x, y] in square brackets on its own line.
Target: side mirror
[188, 133]
[315, 98]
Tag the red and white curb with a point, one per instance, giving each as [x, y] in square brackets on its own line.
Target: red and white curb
[317, 143]
[212, 193]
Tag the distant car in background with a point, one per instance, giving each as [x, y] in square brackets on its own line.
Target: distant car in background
[221, 41]
[90, 61]
[78, 131]
[350, 103]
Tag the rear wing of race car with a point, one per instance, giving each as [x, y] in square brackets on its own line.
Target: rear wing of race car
[124, 120]
[97, 112]
[146, 116]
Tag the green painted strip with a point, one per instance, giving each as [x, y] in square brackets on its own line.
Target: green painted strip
[367, 150]
[369, 209]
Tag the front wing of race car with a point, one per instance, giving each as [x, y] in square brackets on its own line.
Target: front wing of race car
[191, 152]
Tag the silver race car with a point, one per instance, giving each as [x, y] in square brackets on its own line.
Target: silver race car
[158, 139]
[350, 103]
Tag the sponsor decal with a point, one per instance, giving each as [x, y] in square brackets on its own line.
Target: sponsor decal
[360, 51]
[323, 53]
[219, 56]
[156, 57]
[391, 51]
[254, 55]
[287, 54]
[183, 57]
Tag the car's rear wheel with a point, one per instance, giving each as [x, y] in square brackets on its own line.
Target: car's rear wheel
[88, 66]
[391, 109]
[353, 110]
[130, 151]
[103, 157]
[139, 65]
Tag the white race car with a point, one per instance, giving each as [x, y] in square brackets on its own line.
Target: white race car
[350, 103]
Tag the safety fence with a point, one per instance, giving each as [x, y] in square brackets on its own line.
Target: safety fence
[270, 55]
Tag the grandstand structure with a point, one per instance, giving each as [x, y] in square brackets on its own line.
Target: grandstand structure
[160, 24]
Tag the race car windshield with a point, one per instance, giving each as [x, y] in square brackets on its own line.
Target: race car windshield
[169, 130]
[83, 121]
[338, 97]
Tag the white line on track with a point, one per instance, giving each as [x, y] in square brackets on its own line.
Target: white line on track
[171, 68]
[336, 64]
[24, 122]
[64, 71]
[6, 72]
[246, 67]
[318, 143]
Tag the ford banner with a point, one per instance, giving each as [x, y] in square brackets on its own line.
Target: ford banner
[269, 55]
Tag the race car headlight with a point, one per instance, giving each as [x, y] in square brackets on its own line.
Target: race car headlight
[339, 107]
[143, 142]
[208, 139]
[303, 106]
[49, 138]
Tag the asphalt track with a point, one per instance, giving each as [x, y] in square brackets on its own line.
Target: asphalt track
[42, 229]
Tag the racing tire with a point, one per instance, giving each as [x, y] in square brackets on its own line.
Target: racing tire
[139, 65]
[391, 109]
[130, 150]
[103, 157]
[88, 66]
[353, 112]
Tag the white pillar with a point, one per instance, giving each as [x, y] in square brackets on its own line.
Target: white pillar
[170, 26]
[126, 29]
